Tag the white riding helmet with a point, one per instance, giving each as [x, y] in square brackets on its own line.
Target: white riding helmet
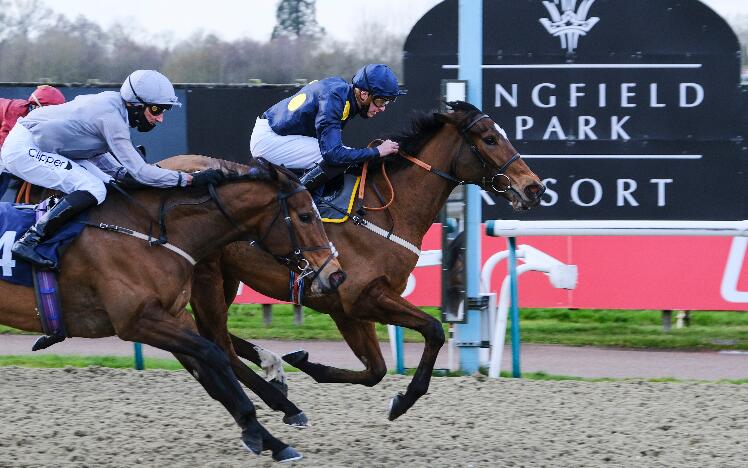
[148, 87]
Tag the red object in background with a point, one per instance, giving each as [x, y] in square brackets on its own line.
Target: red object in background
[678, 273]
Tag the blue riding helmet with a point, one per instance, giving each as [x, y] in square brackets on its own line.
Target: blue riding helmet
[378, 79]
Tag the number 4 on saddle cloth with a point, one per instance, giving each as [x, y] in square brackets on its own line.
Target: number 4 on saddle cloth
[14, 222]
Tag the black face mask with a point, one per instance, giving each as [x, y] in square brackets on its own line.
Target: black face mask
[137, 119]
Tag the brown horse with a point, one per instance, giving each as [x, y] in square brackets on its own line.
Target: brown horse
[116, 284]
[464, 146]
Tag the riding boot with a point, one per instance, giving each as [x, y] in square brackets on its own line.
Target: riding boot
[65, 210]
[320, 174]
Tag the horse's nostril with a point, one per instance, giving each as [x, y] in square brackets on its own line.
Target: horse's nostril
[337, 278]
[534, 191]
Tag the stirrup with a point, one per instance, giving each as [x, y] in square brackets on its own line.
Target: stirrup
[44, 342]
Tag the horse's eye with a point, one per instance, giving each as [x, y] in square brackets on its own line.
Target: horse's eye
[305, 218]
[491, 140]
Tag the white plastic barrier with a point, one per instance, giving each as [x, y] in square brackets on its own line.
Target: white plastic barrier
[736, 229]
[559, 274]
[515, 228]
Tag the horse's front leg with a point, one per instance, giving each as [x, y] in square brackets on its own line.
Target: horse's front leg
[211, 314]
[206, 362]
[379, 302]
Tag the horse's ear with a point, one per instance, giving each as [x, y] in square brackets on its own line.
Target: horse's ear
[445, 118]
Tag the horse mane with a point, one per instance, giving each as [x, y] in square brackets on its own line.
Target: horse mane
[420, 130]
[255, 169]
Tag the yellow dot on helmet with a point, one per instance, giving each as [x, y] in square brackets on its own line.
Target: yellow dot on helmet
[296, 102]
[346, 110]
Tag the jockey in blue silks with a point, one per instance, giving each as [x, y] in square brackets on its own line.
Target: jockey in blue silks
[305, 130]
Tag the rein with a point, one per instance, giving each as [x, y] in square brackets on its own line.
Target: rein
[296, 257]
[501, 172]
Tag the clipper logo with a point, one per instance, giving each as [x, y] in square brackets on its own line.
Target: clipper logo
[570, 24]
[49, 160]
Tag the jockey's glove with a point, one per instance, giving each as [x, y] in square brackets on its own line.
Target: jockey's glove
[207, 177]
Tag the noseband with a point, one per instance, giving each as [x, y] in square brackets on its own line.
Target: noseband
[485, 162]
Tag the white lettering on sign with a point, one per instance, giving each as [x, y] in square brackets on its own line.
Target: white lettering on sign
[661, 189]
[597, 192]
[590, 192]
[588, 128]
[548, 95]
[697, 91]
[625, 188]
[6, 260]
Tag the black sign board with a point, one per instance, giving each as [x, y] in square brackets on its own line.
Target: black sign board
[629, 109]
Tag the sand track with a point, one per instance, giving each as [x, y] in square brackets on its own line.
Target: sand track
[105, 417]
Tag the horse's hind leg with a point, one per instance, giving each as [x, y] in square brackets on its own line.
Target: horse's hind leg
[211, 315]
[362, 339]
[209, 365]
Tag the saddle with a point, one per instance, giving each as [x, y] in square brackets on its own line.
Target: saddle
[337, 199]
[15, 219]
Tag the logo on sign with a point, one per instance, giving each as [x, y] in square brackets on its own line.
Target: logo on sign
[570, 23]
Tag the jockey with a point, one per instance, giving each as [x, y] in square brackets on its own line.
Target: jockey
[78, 146]
[305, 129]
[13, 109]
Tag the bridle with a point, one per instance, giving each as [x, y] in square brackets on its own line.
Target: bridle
[485, 183]
[294, 259]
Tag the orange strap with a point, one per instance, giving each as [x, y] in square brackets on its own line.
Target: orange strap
[362, 184]
[415, 161]
[24, 193]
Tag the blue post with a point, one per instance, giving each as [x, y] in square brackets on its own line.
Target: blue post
[516, 371]
[470, 60]
[139, 365]
[400, 350]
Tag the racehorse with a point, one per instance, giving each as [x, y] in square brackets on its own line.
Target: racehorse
[463, 146]
[112, 283]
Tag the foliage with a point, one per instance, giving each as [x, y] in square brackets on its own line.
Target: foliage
[38, 45]
[619, 328]
[297, 19]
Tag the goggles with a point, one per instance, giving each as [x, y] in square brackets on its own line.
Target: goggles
[155, 109]
[380, 101]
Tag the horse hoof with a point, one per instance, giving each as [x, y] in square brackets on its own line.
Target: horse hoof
[297, 420]
[252, 442]
[286, 455]
[397, 407]
[280, 386]
[296, 358]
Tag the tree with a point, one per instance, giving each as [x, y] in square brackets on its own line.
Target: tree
[297, 19]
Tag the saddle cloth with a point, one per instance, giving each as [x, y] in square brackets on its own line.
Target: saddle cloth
[335, 203]
[14, 222]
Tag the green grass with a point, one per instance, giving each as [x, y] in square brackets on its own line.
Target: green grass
[57, 361]
[245, 320]
[617, 328]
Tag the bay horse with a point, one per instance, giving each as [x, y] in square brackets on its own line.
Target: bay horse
[463, 146]
[117, 284]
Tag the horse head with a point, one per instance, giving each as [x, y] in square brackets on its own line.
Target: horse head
[486, 157]
[289, 226]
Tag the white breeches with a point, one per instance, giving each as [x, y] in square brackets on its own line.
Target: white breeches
[22, 157]
[292, 151]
